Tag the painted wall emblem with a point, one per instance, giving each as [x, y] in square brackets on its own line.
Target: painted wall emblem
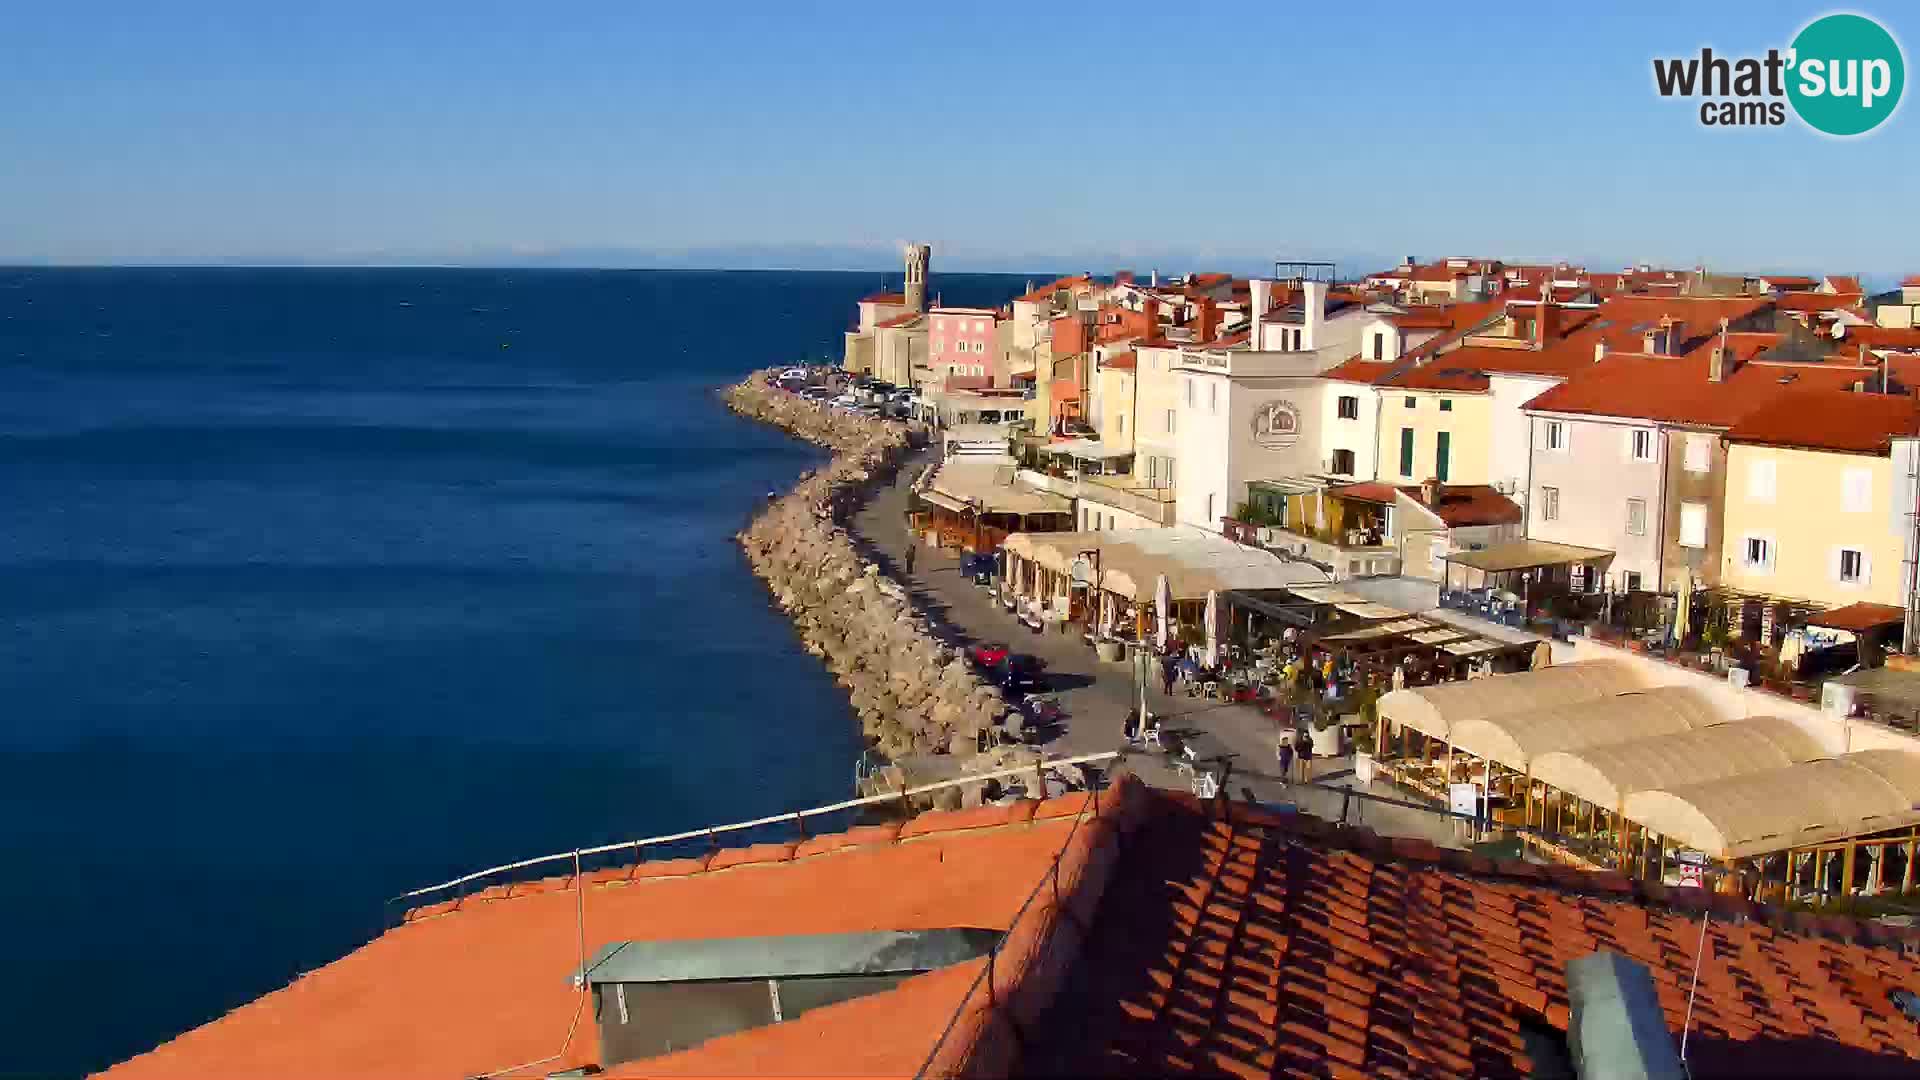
[1276, 424]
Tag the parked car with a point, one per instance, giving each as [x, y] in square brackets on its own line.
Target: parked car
[845, 401]
[988, 654]
[794, 373]
[1018, 673]
[816, 393]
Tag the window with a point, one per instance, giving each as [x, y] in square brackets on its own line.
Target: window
[1409, 401]
[1213, 398]
[1189, 393]
[1556, 435]
[1693, 524]
[1630, 581]
[1549, 504]
[1406, 453]
[1296, 341]
[979, 326]
[1699, 453]
[1760, 475]
[1636, 517]
[1211, 522]
[1122, 422]
[1756, 553]
[937, 343]
[1446, 404]
[1856, 491]
[1441, 444]
[1349, 407]
[1170, 413]
[1379, 345]
[1850, 566]
[1343, 462]
[1640, 444]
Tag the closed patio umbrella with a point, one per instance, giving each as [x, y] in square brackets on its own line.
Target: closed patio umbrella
[1683, 607]
[1213, 628]
[1162, 611]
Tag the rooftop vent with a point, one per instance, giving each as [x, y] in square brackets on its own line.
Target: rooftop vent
[656, 997]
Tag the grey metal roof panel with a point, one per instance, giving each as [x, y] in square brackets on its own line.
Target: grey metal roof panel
[788, 956]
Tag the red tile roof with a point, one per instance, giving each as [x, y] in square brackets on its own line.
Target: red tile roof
[1813, 301]
[1045, 292]
[1125, 361]
[462, 989]
[1882, 337]
[884, 298]
[1676, 390]
[1170, 941]
[1372, 491]
[1859, 617]
[1830, 420]
[1910, 282]
[1358, 370]
[898, 320]
[1844, 284]
[1275, 945]
[1466, 505]
[1790, 281]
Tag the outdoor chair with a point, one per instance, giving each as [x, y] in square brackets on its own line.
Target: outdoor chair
[1213, 691]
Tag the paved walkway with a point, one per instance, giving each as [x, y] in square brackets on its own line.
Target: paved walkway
[1097, 695]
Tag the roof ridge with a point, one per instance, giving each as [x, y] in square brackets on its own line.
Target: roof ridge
[1022, 813]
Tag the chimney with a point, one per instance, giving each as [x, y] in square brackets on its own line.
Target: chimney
[1430, 491]
[1123, 277]
[1650, 343]
[1717, 361]
[1599, 351]
[1151, 308]
[1207, 316]
[1313, 305]
[1546, 321]
[1153, 277]
[1261, 300]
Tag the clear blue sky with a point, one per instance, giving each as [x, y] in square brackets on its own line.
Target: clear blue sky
[357, 131]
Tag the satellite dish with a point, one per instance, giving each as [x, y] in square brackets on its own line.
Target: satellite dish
[1081, 572]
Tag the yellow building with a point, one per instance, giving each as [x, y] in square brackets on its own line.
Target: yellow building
[1432, 430]
[1115, 395]
[1810, 500]
[1156, 407]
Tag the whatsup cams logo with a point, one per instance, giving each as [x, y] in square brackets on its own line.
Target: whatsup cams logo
[1842, 76]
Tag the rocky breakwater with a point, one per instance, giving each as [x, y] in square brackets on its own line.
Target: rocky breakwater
[913, 693]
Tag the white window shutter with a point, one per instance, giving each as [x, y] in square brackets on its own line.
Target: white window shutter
[1833, 565]
[1866, 568]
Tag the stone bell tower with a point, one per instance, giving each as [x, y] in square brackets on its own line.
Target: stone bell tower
[919, 256]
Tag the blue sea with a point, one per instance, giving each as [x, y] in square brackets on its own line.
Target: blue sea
[317, 585]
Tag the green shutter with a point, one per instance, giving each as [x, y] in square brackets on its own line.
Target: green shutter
[1440, 455]
[1406, 451]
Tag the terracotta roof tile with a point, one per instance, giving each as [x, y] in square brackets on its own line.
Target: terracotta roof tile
[1333, 962]
[1830, 420]
[884, 298]
[1122, 361]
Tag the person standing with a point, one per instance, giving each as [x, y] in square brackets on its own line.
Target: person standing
[1166, 675]
[911, 548]
[1284, 750]
[1306, 758]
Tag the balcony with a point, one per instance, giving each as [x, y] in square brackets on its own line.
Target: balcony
[1342, 556]
[1119, 492]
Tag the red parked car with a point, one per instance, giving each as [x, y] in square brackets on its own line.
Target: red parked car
[988, 654]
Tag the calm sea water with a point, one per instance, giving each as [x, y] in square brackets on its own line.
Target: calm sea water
[317, 585]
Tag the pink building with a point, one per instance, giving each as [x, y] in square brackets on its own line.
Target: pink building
[960, 345]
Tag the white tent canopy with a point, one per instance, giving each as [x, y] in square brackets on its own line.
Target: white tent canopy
[1809, 803]
[1514, 739]
[1436, 710]
[1195, 562]
[1605, 775]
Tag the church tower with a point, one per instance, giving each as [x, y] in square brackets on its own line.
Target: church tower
[918, 258]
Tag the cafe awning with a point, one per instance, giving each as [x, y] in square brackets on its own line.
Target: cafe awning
[1089, 450]
[946, 501]
[1526, 555]
[1859, 618]
[1437, 710]
[1809, 803]
[1514, 739]
[1606, 775]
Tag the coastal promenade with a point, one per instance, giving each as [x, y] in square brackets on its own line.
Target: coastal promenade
[1096, 696]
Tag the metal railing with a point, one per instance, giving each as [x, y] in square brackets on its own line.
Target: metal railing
[712, 832]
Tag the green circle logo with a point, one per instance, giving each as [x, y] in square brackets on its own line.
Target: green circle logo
[1847, 74]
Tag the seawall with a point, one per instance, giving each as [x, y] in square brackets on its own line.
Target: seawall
[913, 693]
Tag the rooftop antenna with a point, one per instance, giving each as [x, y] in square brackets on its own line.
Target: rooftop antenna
[1686, 1028]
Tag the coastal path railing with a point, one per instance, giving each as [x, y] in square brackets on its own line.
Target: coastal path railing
[712, 833]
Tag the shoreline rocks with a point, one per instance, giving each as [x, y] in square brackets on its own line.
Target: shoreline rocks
[913, 693]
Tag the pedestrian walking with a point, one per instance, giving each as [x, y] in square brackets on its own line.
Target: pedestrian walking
[1306, 759]
[1167, 668]
[1285, 753]
[911, 548]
